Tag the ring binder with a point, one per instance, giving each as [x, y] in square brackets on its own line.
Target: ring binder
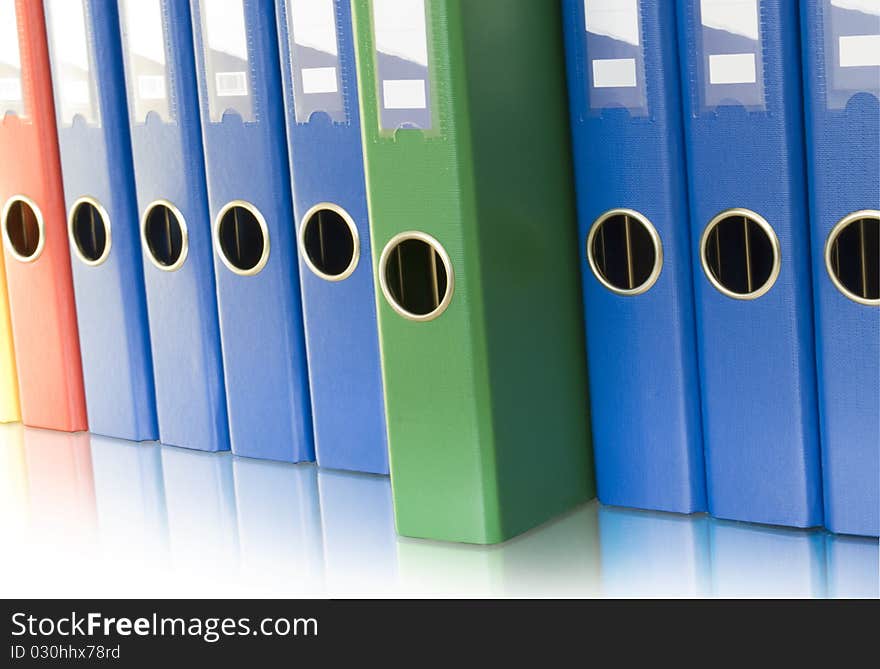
[249, 193]
[40, 292]
[841, 74]
[98, 176]
[744, 127]
[330, 202]
[472, 221]
[175, 223]
[625, 113]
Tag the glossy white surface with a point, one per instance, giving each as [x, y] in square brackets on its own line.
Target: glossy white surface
[86, 516]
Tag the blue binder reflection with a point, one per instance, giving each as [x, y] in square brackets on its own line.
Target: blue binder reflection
[200, 500]
[130, 497]
[359, 536]
[647, 554]
[853, 565]
[279, 524]
[761, 561]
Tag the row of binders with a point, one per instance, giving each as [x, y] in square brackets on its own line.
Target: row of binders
[348, 230]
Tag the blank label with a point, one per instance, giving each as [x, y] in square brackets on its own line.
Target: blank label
[314, 51]
[319, 80]
[404, 94]
[860, 51]
[401, 34]
[614, 73]
[732, 68]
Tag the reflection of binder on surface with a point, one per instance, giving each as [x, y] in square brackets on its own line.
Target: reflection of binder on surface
[853, 565]
[357, 521]
[559, 559]
[174, 223]
[841, 51]
[279, 525]
[129, 497]
[34, 232]
[648, 554]
[99, 190]
[200, 503]
[751, 278]
[249, 195]
[635, 245]
[330, 202]
[473, 227]
[755, 561]
[61, 486]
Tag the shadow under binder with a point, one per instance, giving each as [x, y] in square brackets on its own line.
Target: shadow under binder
[327, 168]
[248, 177]
[102, 224]
[181, 292]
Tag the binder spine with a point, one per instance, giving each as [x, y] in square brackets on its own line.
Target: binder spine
[330, 203]
[842, 80]
[255, 255]
[101, 204]
[744, 129]
[635, 254]
[175, 223]
[447, 182]
[40, 288]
